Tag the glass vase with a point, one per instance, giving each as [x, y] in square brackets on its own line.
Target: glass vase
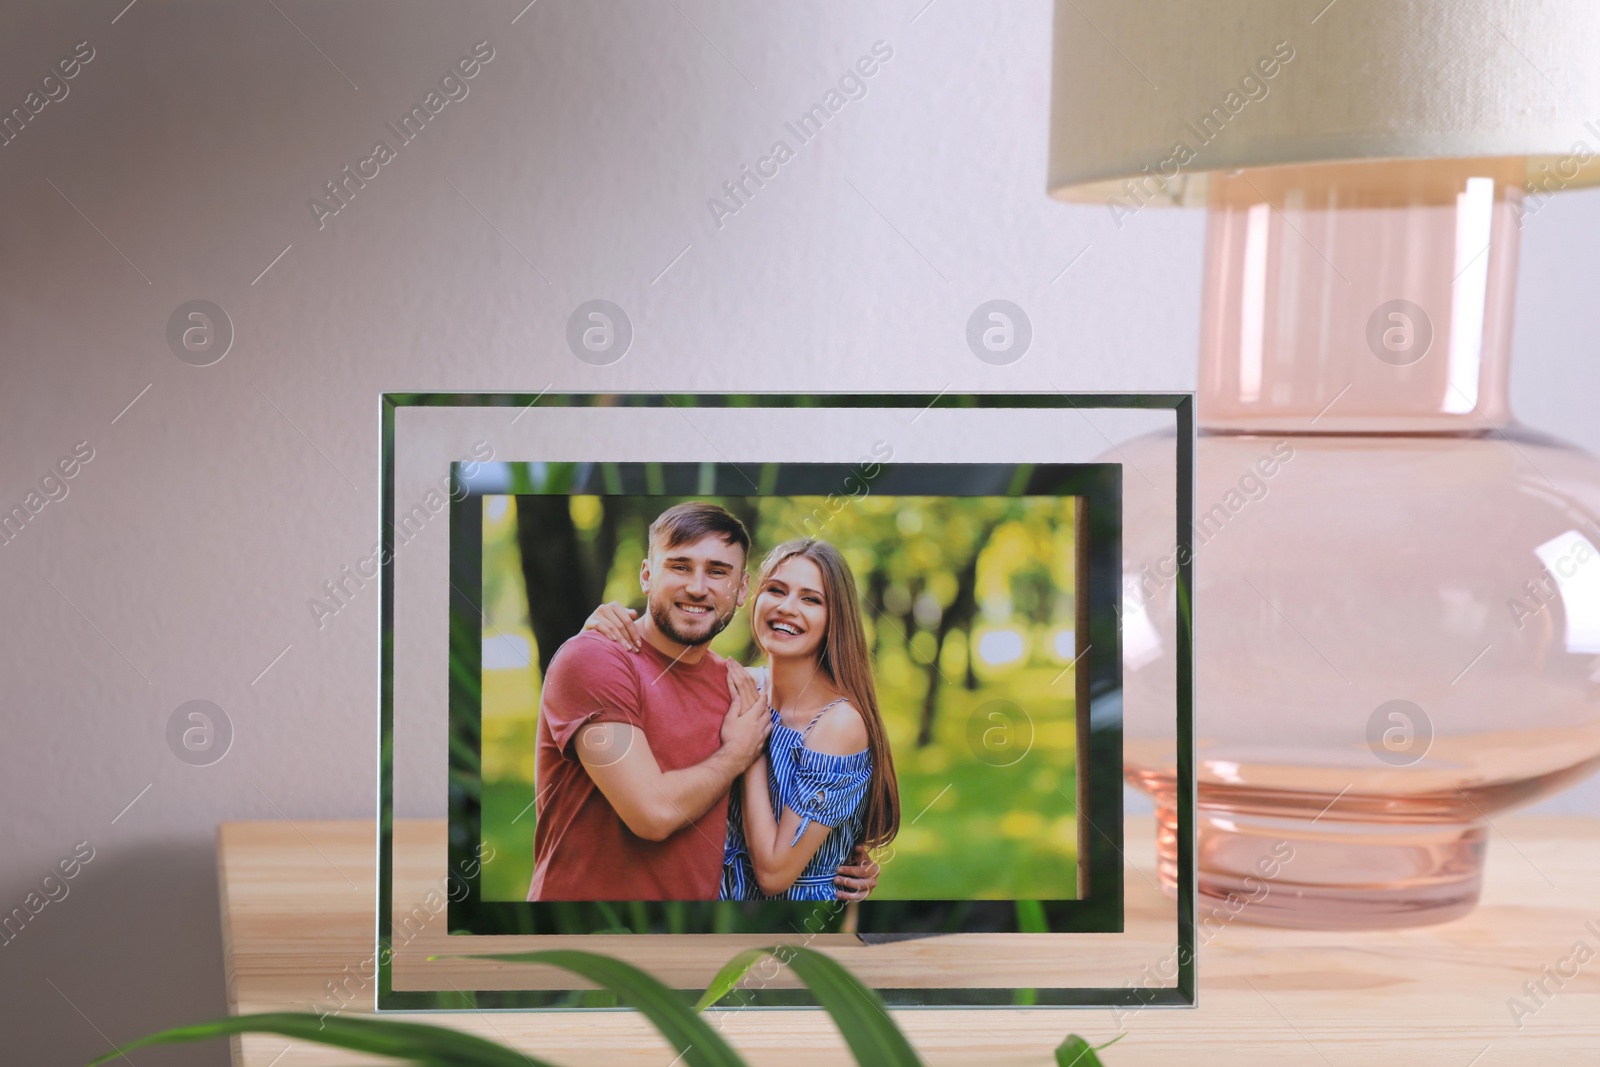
[1397, 587]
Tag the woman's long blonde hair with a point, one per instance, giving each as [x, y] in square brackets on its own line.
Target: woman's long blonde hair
[844, 658]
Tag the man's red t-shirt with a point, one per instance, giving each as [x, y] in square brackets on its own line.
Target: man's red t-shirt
[581, 847]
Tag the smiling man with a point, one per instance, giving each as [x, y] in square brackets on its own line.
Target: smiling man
[638, 747]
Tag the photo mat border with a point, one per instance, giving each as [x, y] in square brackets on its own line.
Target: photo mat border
[1183, 993]
[1097, 905]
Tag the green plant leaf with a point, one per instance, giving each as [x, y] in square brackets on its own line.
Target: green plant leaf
[1031, 918]
[685, 1031]
[857, 1011]
[415, 1043]
[729, 976]
[1076, 1052]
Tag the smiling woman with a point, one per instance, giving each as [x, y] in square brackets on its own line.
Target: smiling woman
[826, 783]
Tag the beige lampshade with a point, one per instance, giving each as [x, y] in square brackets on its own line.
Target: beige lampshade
[1161, 92]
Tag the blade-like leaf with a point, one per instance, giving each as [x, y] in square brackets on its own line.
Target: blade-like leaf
[729, 977]
[415, 1043]
[696, 1042]
[857, 1011]
[1076, 1052]
[1031, 918]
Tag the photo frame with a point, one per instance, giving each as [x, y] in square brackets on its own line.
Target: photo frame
[1041, 458]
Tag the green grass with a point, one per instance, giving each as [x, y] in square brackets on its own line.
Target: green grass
[508, 875]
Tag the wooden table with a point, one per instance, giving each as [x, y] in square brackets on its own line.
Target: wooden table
[297, 909]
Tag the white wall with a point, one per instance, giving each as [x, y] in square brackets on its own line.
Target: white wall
[183, 557]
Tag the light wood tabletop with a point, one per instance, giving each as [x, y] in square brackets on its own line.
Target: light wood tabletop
[297, 906]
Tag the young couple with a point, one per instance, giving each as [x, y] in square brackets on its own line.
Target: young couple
[666, 772]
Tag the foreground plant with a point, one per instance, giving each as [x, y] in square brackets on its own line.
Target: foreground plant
[1076, 1052]
[859, 1013]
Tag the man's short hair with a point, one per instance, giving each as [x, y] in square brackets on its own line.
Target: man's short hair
[684, 524]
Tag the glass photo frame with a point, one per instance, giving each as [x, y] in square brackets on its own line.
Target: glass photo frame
[981, 536]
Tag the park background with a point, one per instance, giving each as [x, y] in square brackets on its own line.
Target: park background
[969, 604]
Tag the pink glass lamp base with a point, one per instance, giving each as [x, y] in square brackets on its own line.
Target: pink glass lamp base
[1396, 588]
[1323, 860]
[1308, 874]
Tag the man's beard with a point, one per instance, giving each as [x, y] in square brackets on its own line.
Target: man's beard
[661, 615]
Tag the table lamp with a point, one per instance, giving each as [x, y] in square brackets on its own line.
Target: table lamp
[1397, 586]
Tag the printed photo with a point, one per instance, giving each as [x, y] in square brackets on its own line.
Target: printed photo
[775, 698]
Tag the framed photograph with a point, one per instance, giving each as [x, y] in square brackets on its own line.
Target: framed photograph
[707, 673]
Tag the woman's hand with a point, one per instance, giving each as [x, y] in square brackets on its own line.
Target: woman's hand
[617, 622]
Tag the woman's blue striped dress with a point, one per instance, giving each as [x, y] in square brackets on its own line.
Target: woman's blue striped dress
[814, 785]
